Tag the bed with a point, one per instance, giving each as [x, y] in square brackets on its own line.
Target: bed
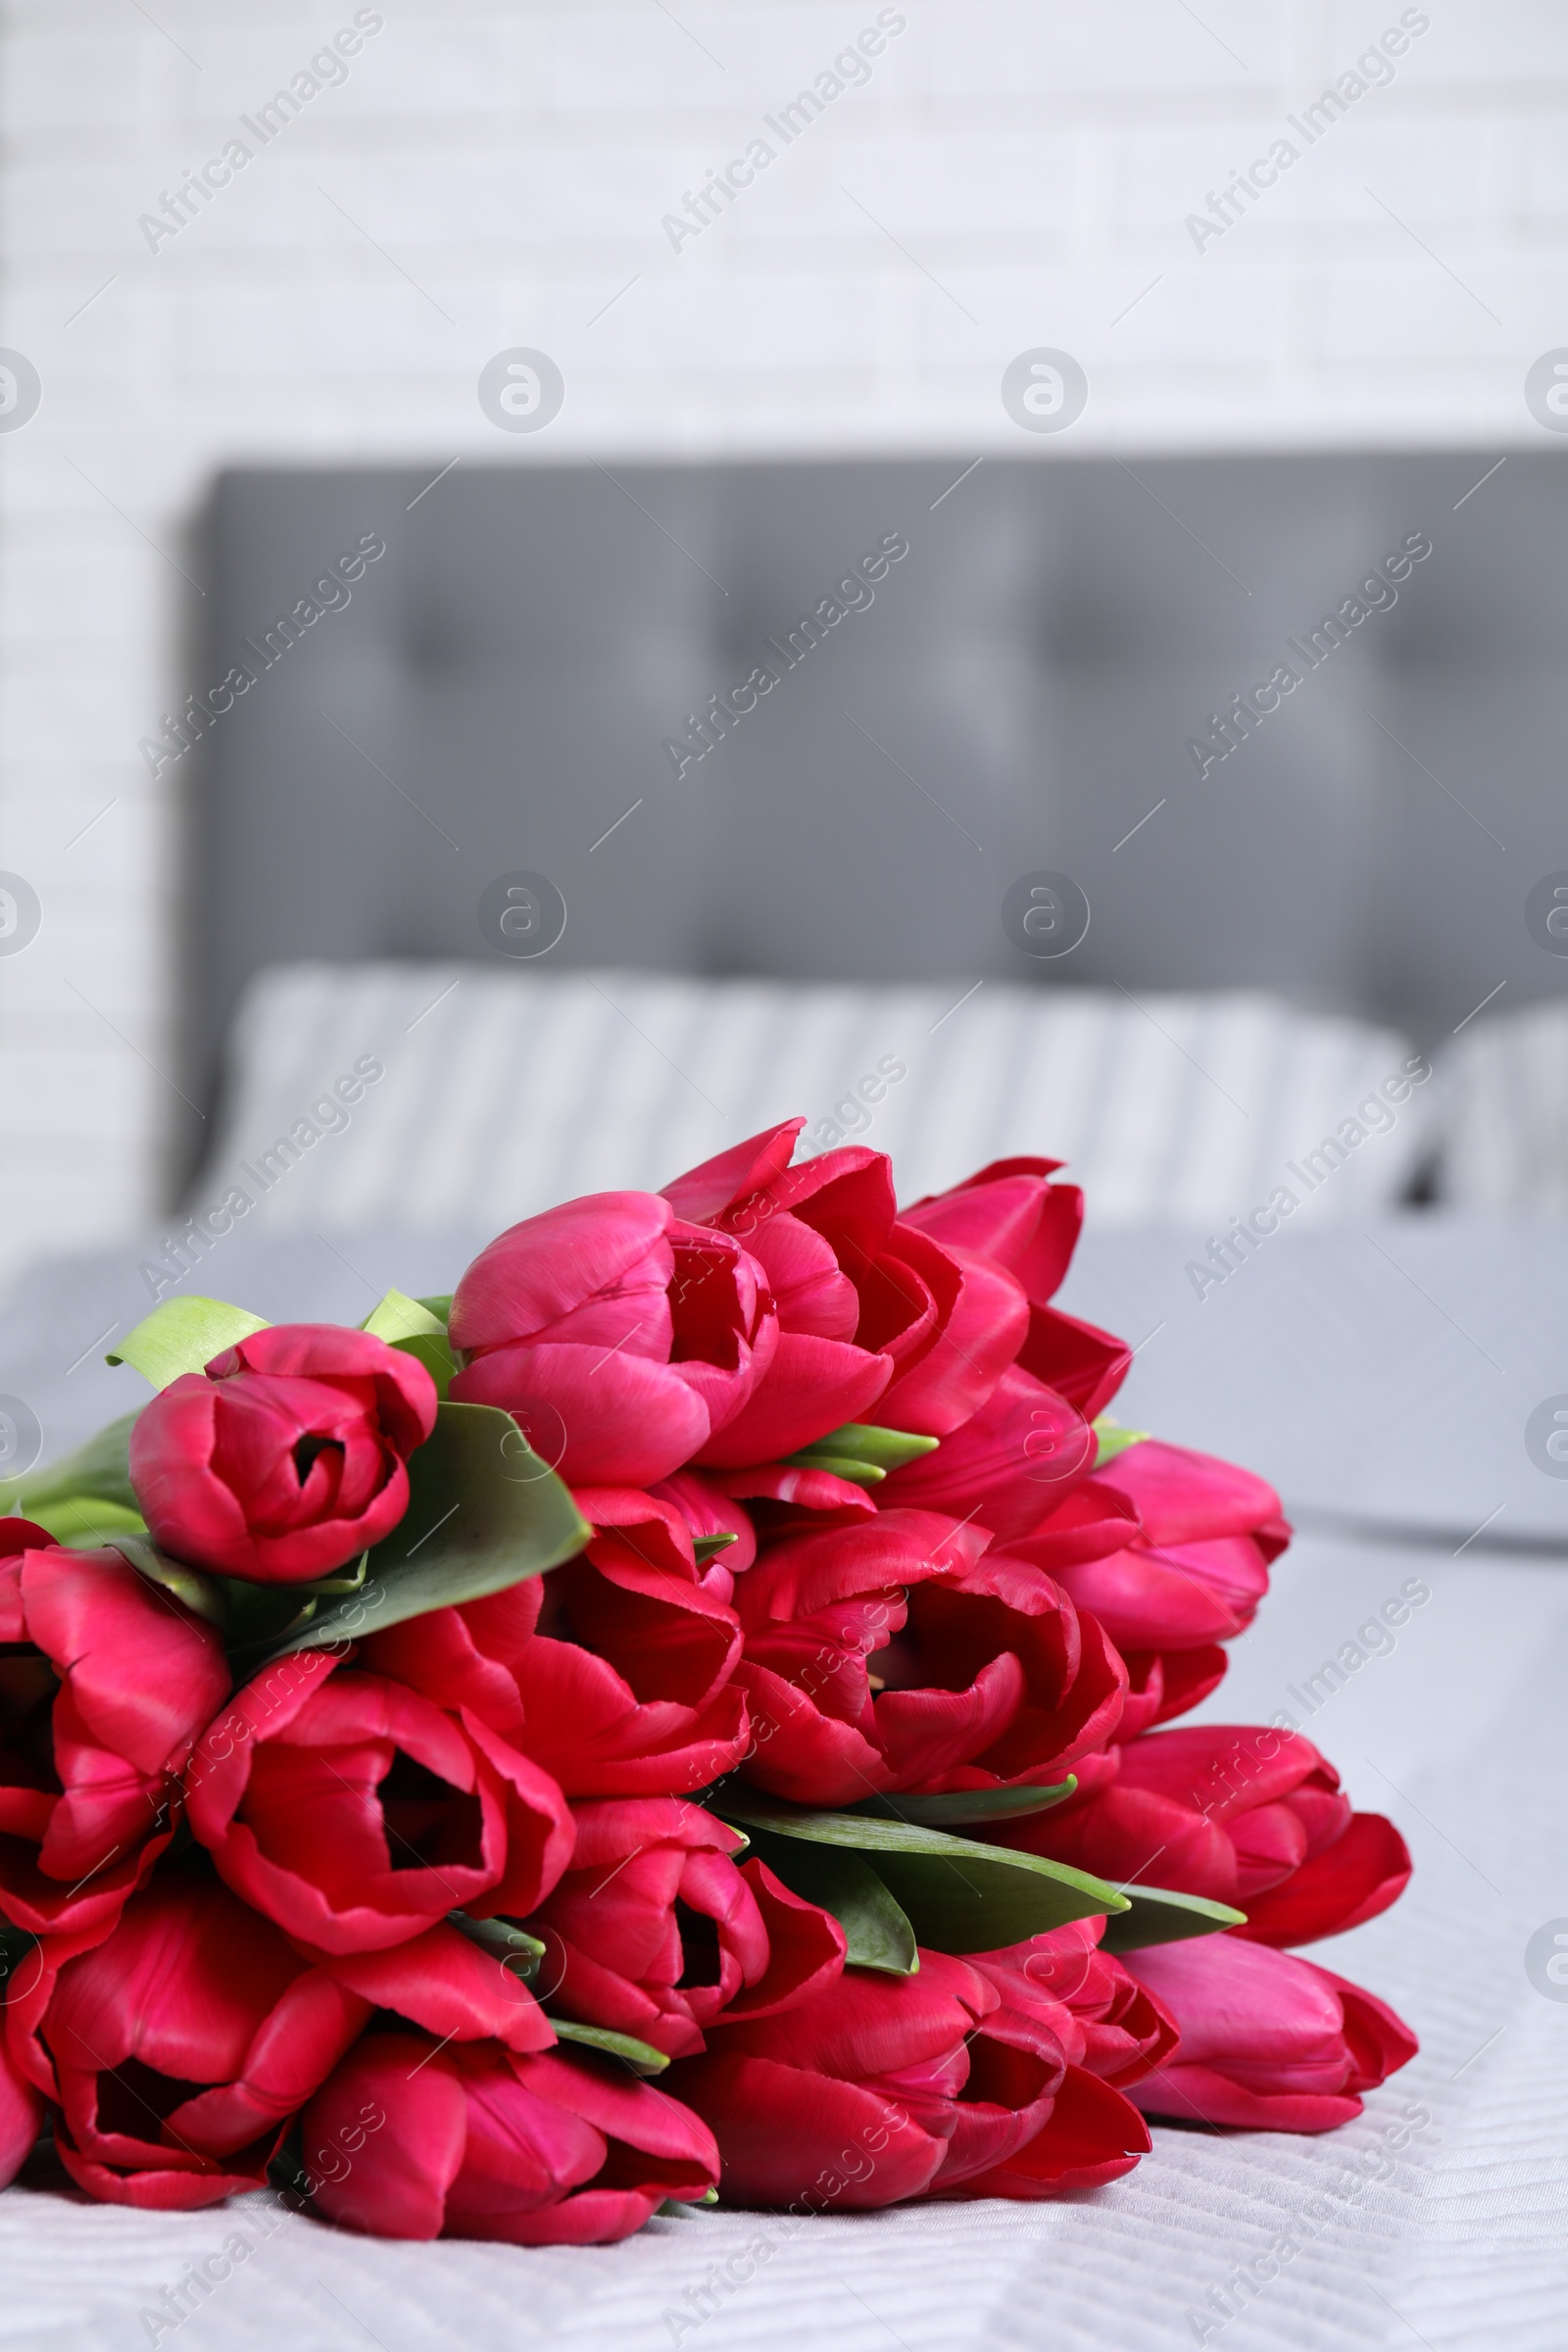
[783, 917]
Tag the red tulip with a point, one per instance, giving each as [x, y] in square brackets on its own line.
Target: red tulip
[828, 1232]
[1092, 2135]
[709, 1509]
[621, 1337]
[818, 1231]
[1010, 1212]
[444, 1982]
[1011, 1463]
[179, 2045]
[1198, 1569]
[1247, 1815]
[983, 1669]
[1267, 2040]
[105, 1683]
[480, 2142]
[952, 1321]
[949, 1312]
[1106, 2019]
[815, 1609]
[1164, 1684]
[1338, 1886]
[909, 2084]
[1082, 1522]
[22, 2114]
[783, 1497]
[655, 1931]
[1074, 1685]
[627, 1691]
[354, 1812]
[1112, 2032]
[1012, 1215]
[287, 1456]
[1089, 1523]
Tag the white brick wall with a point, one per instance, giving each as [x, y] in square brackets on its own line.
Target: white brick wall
[514, 157]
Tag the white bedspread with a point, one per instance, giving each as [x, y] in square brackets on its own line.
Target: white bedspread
[1345, 1381]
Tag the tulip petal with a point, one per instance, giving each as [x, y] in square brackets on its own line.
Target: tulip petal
[21, 2115]
[1380, 2042]
[1350, 1882]
[1185, 1596]
[1009, 1464]
[150, 2190]
[923, 1733]
[1094, 2134]
[779, 2127]
[144, 1674]
[445, 1983]
[811, 1387]
[984, 1324]
[668, 1638]
[298, 2043]
[539, 1271]
[806, 1948]
[1079, 1360]
[396, 2183]
[1162, 1684]
[585, 1724]
[1183, 1496]
[706, 1192]
[1185, 2094]
[623, 1420]
[810, 1291]
[801, 1754]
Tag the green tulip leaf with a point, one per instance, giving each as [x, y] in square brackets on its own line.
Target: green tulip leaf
[439, 1306]
[397, 1317]
[429, 1349]
[878, 1933]
[346, 1579]
[865, 1442]
[183, 1335]
[959, 1895]
[862, 1452]
[1112, 1439]
[409, 1325]
[640, 2056]
[259, 1616]
[984, 1896]
[842, 1465]
[510, 1946]
[202, 1594]
[708, 1547]
[962, 1806]
[83, 1522]
[1158, 1915]
[483, 1513]
[100, 1468]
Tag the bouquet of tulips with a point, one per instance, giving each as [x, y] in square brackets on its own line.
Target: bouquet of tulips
[676, 1720]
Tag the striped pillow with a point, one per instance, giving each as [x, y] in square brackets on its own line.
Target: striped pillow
[1503, 1099]
[457, 1095]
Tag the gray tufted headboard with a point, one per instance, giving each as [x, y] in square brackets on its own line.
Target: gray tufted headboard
[1015, 681]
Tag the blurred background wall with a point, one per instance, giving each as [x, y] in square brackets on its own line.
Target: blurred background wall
[1003, 173]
